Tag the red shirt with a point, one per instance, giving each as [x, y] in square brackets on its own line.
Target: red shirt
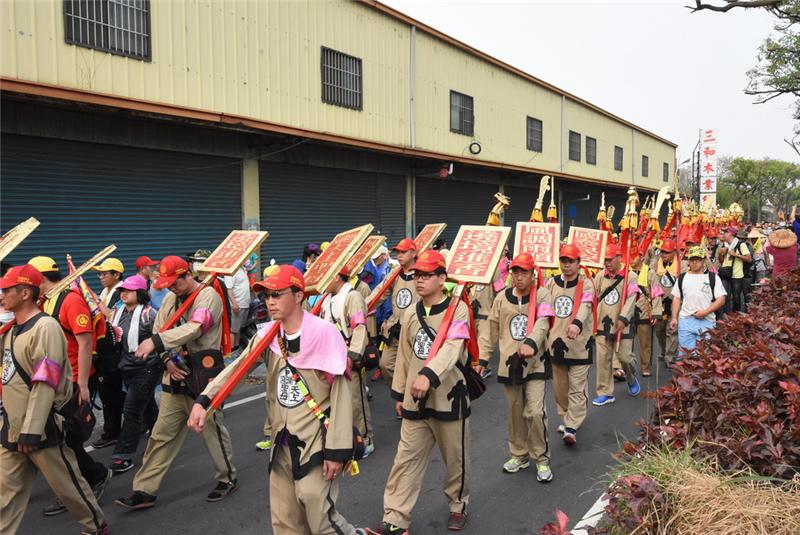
[75, 318]
[783, 260]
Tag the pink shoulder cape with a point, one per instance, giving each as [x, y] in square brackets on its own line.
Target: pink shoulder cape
[321, 346]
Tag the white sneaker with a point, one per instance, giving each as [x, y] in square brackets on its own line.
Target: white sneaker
[543, 473]
[561, 429]
[368, 450]
[514, 465]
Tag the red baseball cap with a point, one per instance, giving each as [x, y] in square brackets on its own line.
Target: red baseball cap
[143, 261]
[569, 251]
[170, 269]
[284, 277]
[429, 261]
[713, 233]
[406, 244]
[523, 261]
[668, 246]
[612, 250]
[25, 274]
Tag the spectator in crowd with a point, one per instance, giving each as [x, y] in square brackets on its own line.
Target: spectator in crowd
[310, 253]
[736, 279]
[135, 319]
[145, 266]
[783, 248]
[156, 294]
[794, 217]
[696, 296]
[238, 286]
[110, 273]
[761, 262]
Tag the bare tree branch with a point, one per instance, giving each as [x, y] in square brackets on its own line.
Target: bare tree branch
[792, 143]
[730, 4]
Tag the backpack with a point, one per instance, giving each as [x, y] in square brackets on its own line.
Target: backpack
[712, 281]
[748, 268]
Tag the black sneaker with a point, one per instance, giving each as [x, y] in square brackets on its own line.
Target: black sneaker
[222, 491]
[55, 508]
[487, 372]
[104, 441]
[384, 528]
[99, 488]
[137, 500]
[119, 466]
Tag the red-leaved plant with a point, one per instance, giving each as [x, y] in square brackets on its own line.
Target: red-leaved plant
[557, 528]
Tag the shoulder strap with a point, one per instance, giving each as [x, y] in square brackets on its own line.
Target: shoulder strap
[59, 302]
[712, 281]
[300, 383]
[421, 317]
[29, 324]
[610, 288]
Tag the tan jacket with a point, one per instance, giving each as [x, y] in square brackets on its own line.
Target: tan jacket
[610, 307]
[508, 321]
[40, 349]
[352, 324]
[447, 398]
[561, 296]
[296, 426]
[199, 329]
[404, 296]
[650, 303]
[364, 290]
[481, 296]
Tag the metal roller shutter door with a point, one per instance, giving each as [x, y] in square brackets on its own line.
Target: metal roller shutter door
[87, 196]
[453, 202]
[303, 204]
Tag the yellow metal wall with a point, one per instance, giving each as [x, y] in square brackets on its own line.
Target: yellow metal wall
[261, 59]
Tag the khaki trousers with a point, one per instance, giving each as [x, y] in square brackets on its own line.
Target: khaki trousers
[388, 359]
[668, 341]
[267, 424]
[572, 393]
[362, 415]
[60, 468]
[644, 335]
[527, 421]
[417, 438]
[305, 506]
[167, 438]
[605, 355]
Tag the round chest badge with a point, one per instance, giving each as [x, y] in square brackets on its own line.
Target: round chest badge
[8, 367]
[288, 393]
[612, 298]
[422, 344]
[665, 281]
[403, 298]
[563, 306]
[518, 327]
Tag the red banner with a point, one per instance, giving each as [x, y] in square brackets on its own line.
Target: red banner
[591, 243]
[476, 253]
[539, 240]
[233, 251]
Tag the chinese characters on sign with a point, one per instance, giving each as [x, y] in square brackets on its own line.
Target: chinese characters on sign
[428, 235]
[363, 254]
[708, 167]
[333, 259]
[233, 251]
[476, 253]
[540, 240]
[591, 243]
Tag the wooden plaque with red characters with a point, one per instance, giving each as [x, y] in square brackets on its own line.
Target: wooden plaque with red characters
[333, 259]
[540, 240]
[233, 251]
[428, 235]
[591, 243]
[363, 254]
[476, 252]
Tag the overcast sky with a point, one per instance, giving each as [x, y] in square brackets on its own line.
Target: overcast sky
[651, 62]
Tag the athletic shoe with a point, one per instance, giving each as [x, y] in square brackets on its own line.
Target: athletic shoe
[543, 473]
[457, 521]
[634, 388]
[377, 376]
[55, 508]
[369, 449]
[137, 500]
[384, 528]
[104, 441]
[222, 491]
[99, 488]
[570, 436]
[264, 445]
[514, 465]
[361, 531]
[599, 401]
[102, 531]
[560, 429]
[119, 466]
[487, 372]
[646, 371]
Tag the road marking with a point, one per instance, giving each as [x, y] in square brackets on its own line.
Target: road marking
[592, 516]
[248, 399]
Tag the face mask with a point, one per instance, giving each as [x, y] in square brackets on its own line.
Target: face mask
[6, 316]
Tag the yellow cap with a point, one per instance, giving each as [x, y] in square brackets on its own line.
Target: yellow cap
[43, 264]
[270, 270]
[110, 264]
[324, 245]
[696, 252]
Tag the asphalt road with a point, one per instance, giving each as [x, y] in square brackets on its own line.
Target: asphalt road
[499, 503]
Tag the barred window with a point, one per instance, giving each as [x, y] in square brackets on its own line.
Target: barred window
[591, 150]
[341, 79]
[666, 172]
[574, 146]
[121, 27]
[645, 165]
[618, 158]
[534, 134]
[462, 116]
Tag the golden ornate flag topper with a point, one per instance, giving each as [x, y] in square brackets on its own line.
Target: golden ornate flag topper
[503, 202]
[536, 214]
[476, 252]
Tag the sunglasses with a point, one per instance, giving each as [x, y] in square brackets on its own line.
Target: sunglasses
[276, 295]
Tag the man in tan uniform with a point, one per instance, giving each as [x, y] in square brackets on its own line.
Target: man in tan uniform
[199, 330]
[666, 270]
[433, 402]
[481, 297]
[347, 310]
[37, 381]
[648, 308]
[403, 297]
[522, 371]
[310, 452]
[614, 314]
[569, 340]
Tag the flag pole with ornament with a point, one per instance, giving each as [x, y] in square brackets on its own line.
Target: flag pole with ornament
[627, 225]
